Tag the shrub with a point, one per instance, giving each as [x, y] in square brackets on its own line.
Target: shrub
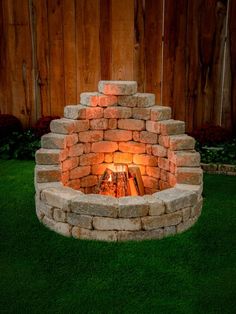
[42, 126]
[211, 135]
[9, 124]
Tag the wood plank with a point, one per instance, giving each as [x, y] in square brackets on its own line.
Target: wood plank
[105, 39]
[70, 71]
[87, 45]
[232, 34]
[122, 39]
[153, 46]
[56, 57]
[42, 56]
[174, 67]
[139, 44]
[20, 62]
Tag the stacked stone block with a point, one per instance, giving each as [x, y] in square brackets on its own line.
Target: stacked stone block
[117, 125]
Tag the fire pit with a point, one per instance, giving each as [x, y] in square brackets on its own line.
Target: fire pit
[117, 167]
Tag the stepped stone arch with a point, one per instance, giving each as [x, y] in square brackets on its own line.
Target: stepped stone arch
[117, 125]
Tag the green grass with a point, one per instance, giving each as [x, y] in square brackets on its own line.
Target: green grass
[43, 272]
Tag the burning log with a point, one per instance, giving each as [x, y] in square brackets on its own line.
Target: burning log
[121, 181]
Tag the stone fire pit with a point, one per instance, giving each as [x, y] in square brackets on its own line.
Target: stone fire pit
[117, 125]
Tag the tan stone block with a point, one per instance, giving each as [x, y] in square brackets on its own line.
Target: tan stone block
[209, 167]
[112, 124]
[91, 159]
[39, 187]
[136, 136]
[108, 158]
[39, 214]
[68, 126]
[184, 158]
[71, 140]
[104, 147]
[131, 124]
[94, 113]
[187, 175]
[59, 215]
[181, 142]
[159, 113]
[149, 149]
[117, 113]
[69, 163]
[87, 148]
[141, 113]
[80, 172]
[95, 205]
[176, 199]
[163, 163]
[155, 222]
[150, 182]
[186, 225]
[163, 175]
[117, 87]
[123, 158]
[193, 188]
[163, 185]
[74, 184]
[59, 227]
[173, 167]
[169, 231]
[75, 112]
[132, 206]
[106, 223]
[156, 206]
[153, 172]
[171, 179]
[132, 147]
[43, 209]
[158, 150]
[76, 150]
[95, 99]
[53, 141]
[88, 181]
[99, 124]
[81, 221]
[81, 233]
[148, 137]
[118, 135]
[59, 197]
[197, 208]
[141, 100]
[45, 173]
[146, 160]
[91, 136]
[168, 127]
[186, 213]
[140, 235]
[153, 126]
[164, 141]
[65, 176]
[47, 156]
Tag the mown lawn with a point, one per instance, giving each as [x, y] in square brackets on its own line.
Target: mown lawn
[43, 272]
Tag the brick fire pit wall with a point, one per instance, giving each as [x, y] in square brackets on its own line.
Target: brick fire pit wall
[117, 125]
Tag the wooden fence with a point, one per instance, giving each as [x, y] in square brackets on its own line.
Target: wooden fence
[184, 51]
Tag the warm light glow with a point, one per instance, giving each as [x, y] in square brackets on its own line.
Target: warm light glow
[110, 178]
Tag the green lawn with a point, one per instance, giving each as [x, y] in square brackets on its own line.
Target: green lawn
[43, 272]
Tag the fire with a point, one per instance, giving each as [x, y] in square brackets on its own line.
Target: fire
[120, 180]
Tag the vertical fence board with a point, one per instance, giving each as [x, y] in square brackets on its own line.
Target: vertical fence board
[174, 66]
[56, 57]
[139, 44]
[122, 39]
[87, 45]
[232, 34]
[105, 39]
[153, 46]
[69, 52]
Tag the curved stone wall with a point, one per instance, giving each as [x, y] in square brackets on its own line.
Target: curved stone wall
[117, 125]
